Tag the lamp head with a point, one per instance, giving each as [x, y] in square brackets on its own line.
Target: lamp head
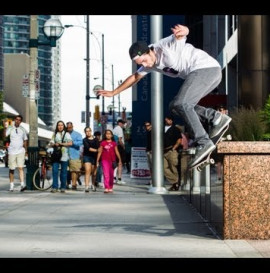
[53, 28]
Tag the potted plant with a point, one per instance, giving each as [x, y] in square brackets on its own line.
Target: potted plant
[247, 125]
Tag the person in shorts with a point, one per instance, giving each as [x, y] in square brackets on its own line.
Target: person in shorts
[90, 151]
[75, 162]
[17, 151]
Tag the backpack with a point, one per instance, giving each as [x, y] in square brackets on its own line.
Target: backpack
[57, 152]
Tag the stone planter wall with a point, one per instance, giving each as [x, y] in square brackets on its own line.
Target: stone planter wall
[246, 188]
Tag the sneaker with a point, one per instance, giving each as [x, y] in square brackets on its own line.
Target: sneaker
[53, 190]
[86, 190]
[93, 188]
[63, 190]
[202, 151]
[23, 188]
[74, 188]
[224, 121]
[120, 182]
[11, 190]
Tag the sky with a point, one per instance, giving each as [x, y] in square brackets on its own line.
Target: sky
[117, 40]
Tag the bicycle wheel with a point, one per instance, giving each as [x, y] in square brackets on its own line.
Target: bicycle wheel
[42, 178]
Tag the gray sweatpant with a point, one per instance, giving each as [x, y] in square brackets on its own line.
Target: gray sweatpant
[197, 85]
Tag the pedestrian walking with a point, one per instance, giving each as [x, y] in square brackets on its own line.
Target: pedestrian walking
[17, 151]
[107, 153]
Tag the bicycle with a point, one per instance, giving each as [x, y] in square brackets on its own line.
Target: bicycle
[42, 178]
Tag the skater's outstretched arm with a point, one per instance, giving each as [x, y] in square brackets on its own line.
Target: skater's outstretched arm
[128, 82]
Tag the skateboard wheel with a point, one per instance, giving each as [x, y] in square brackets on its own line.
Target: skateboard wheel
[212, 161]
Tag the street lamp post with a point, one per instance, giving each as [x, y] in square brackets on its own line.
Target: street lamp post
[53, 29]
[103, 74]
[119, 103]
[113, 118]
[112, 82]
[87, 95]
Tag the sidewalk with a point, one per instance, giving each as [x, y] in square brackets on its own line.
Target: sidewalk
[128, 223]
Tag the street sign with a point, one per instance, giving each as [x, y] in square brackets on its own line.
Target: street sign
[37, 85]
[25, 86]
[37, 74]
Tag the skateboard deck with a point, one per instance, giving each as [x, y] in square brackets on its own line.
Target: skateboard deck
[208, 159]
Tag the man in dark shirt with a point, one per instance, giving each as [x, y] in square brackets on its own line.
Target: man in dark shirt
[148, 127]
[172, 141]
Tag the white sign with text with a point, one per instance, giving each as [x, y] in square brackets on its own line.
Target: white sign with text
[139, 164]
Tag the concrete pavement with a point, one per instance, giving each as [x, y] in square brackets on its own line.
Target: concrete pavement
[128, 223]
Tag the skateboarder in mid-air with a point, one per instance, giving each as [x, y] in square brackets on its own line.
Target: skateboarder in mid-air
[173, 57]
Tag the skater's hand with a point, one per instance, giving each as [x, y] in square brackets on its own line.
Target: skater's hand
[105, 93]
[180, 31]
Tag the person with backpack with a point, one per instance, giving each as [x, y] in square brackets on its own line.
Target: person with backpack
[60, 139]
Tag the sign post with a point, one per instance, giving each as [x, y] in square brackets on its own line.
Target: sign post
[25, 86]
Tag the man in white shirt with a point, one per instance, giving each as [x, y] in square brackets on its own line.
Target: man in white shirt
[173, 57]
[118, 131]
[16, 151]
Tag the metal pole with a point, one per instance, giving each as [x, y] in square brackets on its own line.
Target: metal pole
[87, 97]
[33, 112]
[103, 86]
[119, 103]
[157, 116]
[103, 79]
[113, 97]
[226, 55]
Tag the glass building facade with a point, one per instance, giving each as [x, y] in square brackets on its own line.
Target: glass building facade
[16, 40]
[1, 54]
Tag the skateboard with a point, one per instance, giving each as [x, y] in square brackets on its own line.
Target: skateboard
[208, 159]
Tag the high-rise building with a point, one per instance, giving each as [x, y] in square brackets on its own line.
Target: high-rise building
[1, 54]
[16, 40]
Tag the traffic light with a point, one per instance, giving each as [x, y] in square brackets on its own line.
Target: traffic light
[97, 113]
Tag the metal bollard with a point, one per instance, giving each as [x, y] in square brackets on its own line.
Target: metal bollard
[31, 166]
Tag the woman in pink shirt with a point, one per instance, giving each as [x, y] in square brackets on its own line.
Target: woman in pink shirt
[107, 153]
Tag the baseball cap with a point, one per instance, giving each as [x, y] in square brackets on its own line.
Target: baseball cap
[137, 49]
[120, 120]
